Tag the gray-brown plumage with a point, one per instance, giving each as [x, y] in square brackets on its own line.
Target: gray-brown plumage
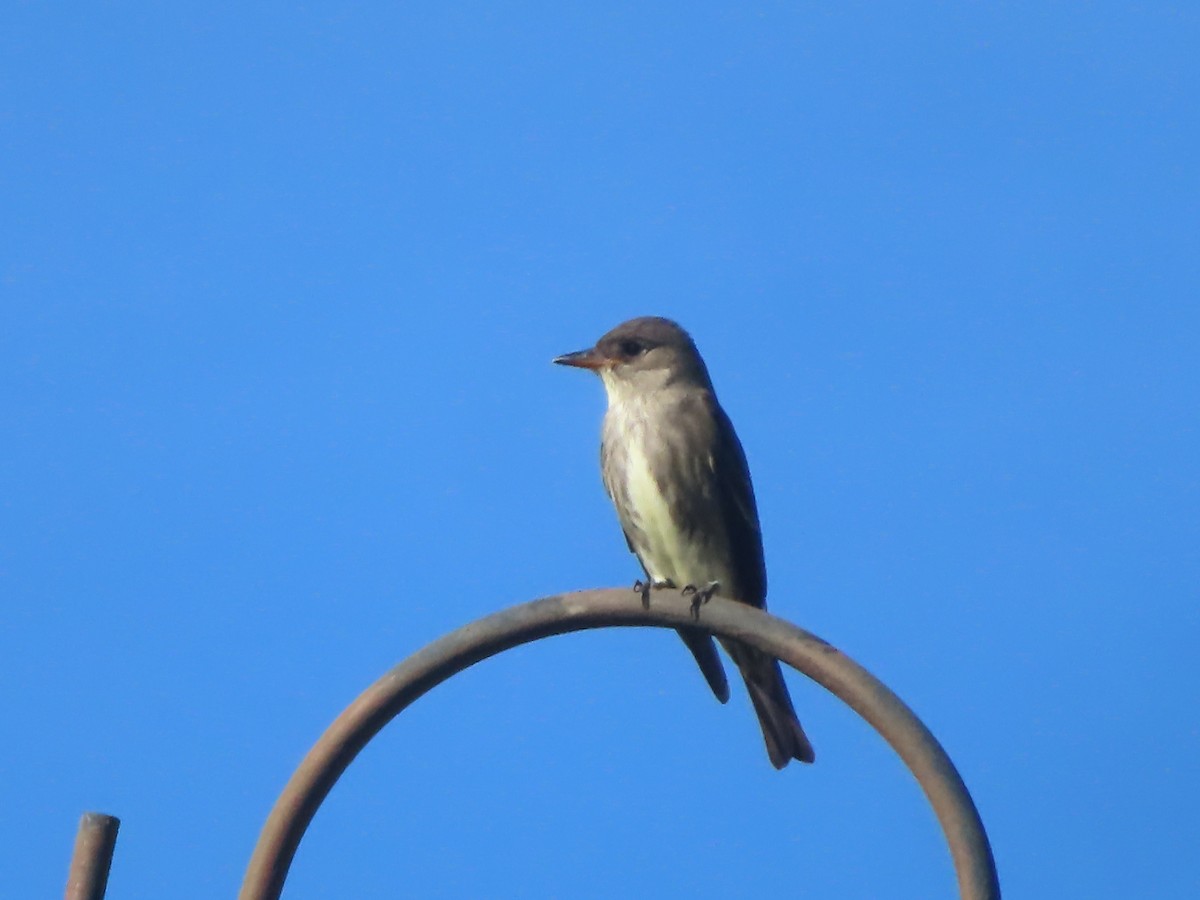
[677, 475]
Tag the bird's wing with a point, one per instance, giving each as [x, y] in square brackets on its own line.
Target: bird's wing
[739, 512]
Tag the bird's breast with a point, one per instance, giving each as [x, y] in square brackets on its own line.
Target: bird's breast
[644, 489]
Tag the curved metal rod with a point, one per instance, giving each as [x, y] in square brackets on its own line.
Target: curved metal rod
[87, 878]
[425, 669]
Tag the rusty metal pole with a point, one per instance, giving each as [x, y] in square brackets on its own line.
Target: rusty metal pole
[94, 842]
[425, 669]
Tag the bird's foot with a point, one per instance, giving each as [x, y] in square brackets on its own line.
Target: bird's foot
[644, 588]
[700, 596]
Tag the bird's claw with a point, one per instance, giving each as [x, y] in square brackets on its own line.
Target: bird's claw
[699, 596]
[644, 588]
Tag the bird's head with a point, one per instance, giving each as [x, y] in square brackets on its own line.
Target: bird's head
[642, 355]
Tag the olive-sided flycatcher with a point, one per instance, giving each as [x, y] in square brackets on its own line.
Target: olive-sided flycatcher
[677, 475]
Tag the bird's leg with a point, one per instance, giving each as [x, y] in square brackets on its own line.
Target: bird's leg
[700, 597]
[644, 588]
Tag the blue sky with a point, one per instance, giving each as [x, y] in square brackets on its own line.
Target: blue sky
[280, 290]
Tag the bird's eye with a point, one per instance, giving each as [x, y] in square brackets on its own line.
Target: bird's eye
[631, 348]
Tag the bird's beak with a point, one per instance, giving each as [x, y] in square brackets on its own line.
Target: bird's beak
[582, 359]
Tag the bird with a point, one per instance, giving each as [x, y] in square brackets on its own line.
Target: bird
[677, 476]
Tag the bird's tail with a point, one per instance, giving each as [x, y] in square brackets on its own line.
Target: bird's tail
[781, 729]
[705, 651]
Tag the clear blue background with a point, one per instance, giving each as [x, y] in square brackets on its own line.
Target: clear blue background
[280, 286]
